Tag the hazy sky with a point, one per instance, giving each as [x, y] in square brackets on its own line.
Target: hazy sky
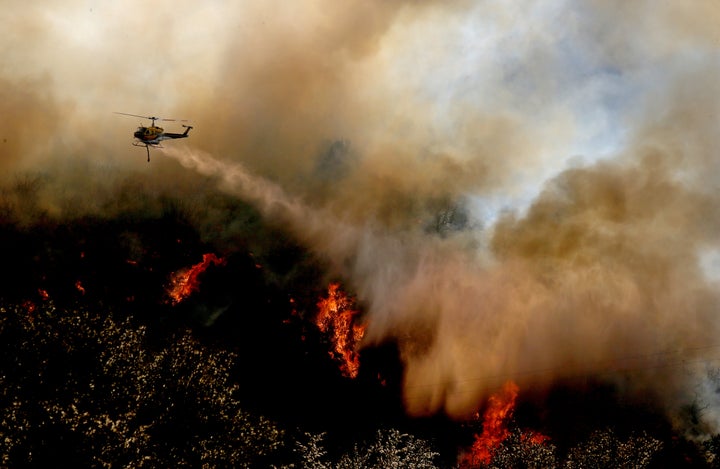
[580, 136]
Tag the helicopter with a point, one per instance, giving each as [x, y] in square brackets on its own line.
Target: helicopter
[152, 135]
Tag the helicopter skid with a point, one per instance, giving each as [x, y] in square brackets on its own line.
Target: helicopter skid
[147, 147]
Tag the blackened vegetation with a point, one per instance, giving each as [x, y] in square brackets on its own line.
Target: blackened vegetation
[98, 368]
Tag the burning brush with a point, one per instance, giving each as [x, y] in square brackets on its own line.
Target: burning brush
[498, 413]
[337, 316]
[186, 281]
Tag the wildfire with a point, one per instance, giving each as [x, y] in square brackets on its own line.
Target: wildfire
[30, 305]
[186, 281]
[500, 408]
[337, 315]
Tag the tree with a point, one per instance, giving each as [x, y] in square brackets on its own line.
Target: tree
[312, 454]
[712, 451]
[92, 390]
[604, 449]
[523, 450]
[391, 449]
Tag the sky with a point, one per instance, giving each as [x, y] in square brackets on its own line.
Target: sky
[578, 139]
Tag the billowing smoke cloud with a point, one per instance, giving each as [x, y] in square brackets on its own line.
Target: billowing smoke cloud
[515, 191]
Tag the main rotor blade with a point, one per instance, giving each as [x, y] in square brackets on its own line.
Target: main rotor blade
[151, 117]
[135, 115]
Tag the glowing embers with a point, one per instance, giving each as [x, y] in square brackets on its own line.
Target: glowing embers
[186, 281]
[337, 317]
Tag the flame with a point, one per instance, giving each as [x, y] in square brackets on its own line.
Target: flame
[500, 408]
[29, 307]
[186, 281]
[337, 314]
[80, 287]
[536, 438]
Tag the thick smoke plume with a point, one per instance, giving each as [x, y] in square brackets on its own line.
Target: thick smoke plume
[514, 191]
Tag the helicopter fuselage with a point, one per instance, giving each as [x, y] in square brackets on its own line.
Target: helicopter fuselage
[154, 135]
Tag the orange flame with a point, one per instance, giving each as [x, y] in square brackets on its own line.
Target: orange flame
[495, 431]
[79, 286]
[29, 306]
[186, 281]
[536, 438]
[337, 312]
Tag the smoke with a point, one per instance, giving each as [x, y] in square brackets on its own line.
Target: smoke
[514, 191]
